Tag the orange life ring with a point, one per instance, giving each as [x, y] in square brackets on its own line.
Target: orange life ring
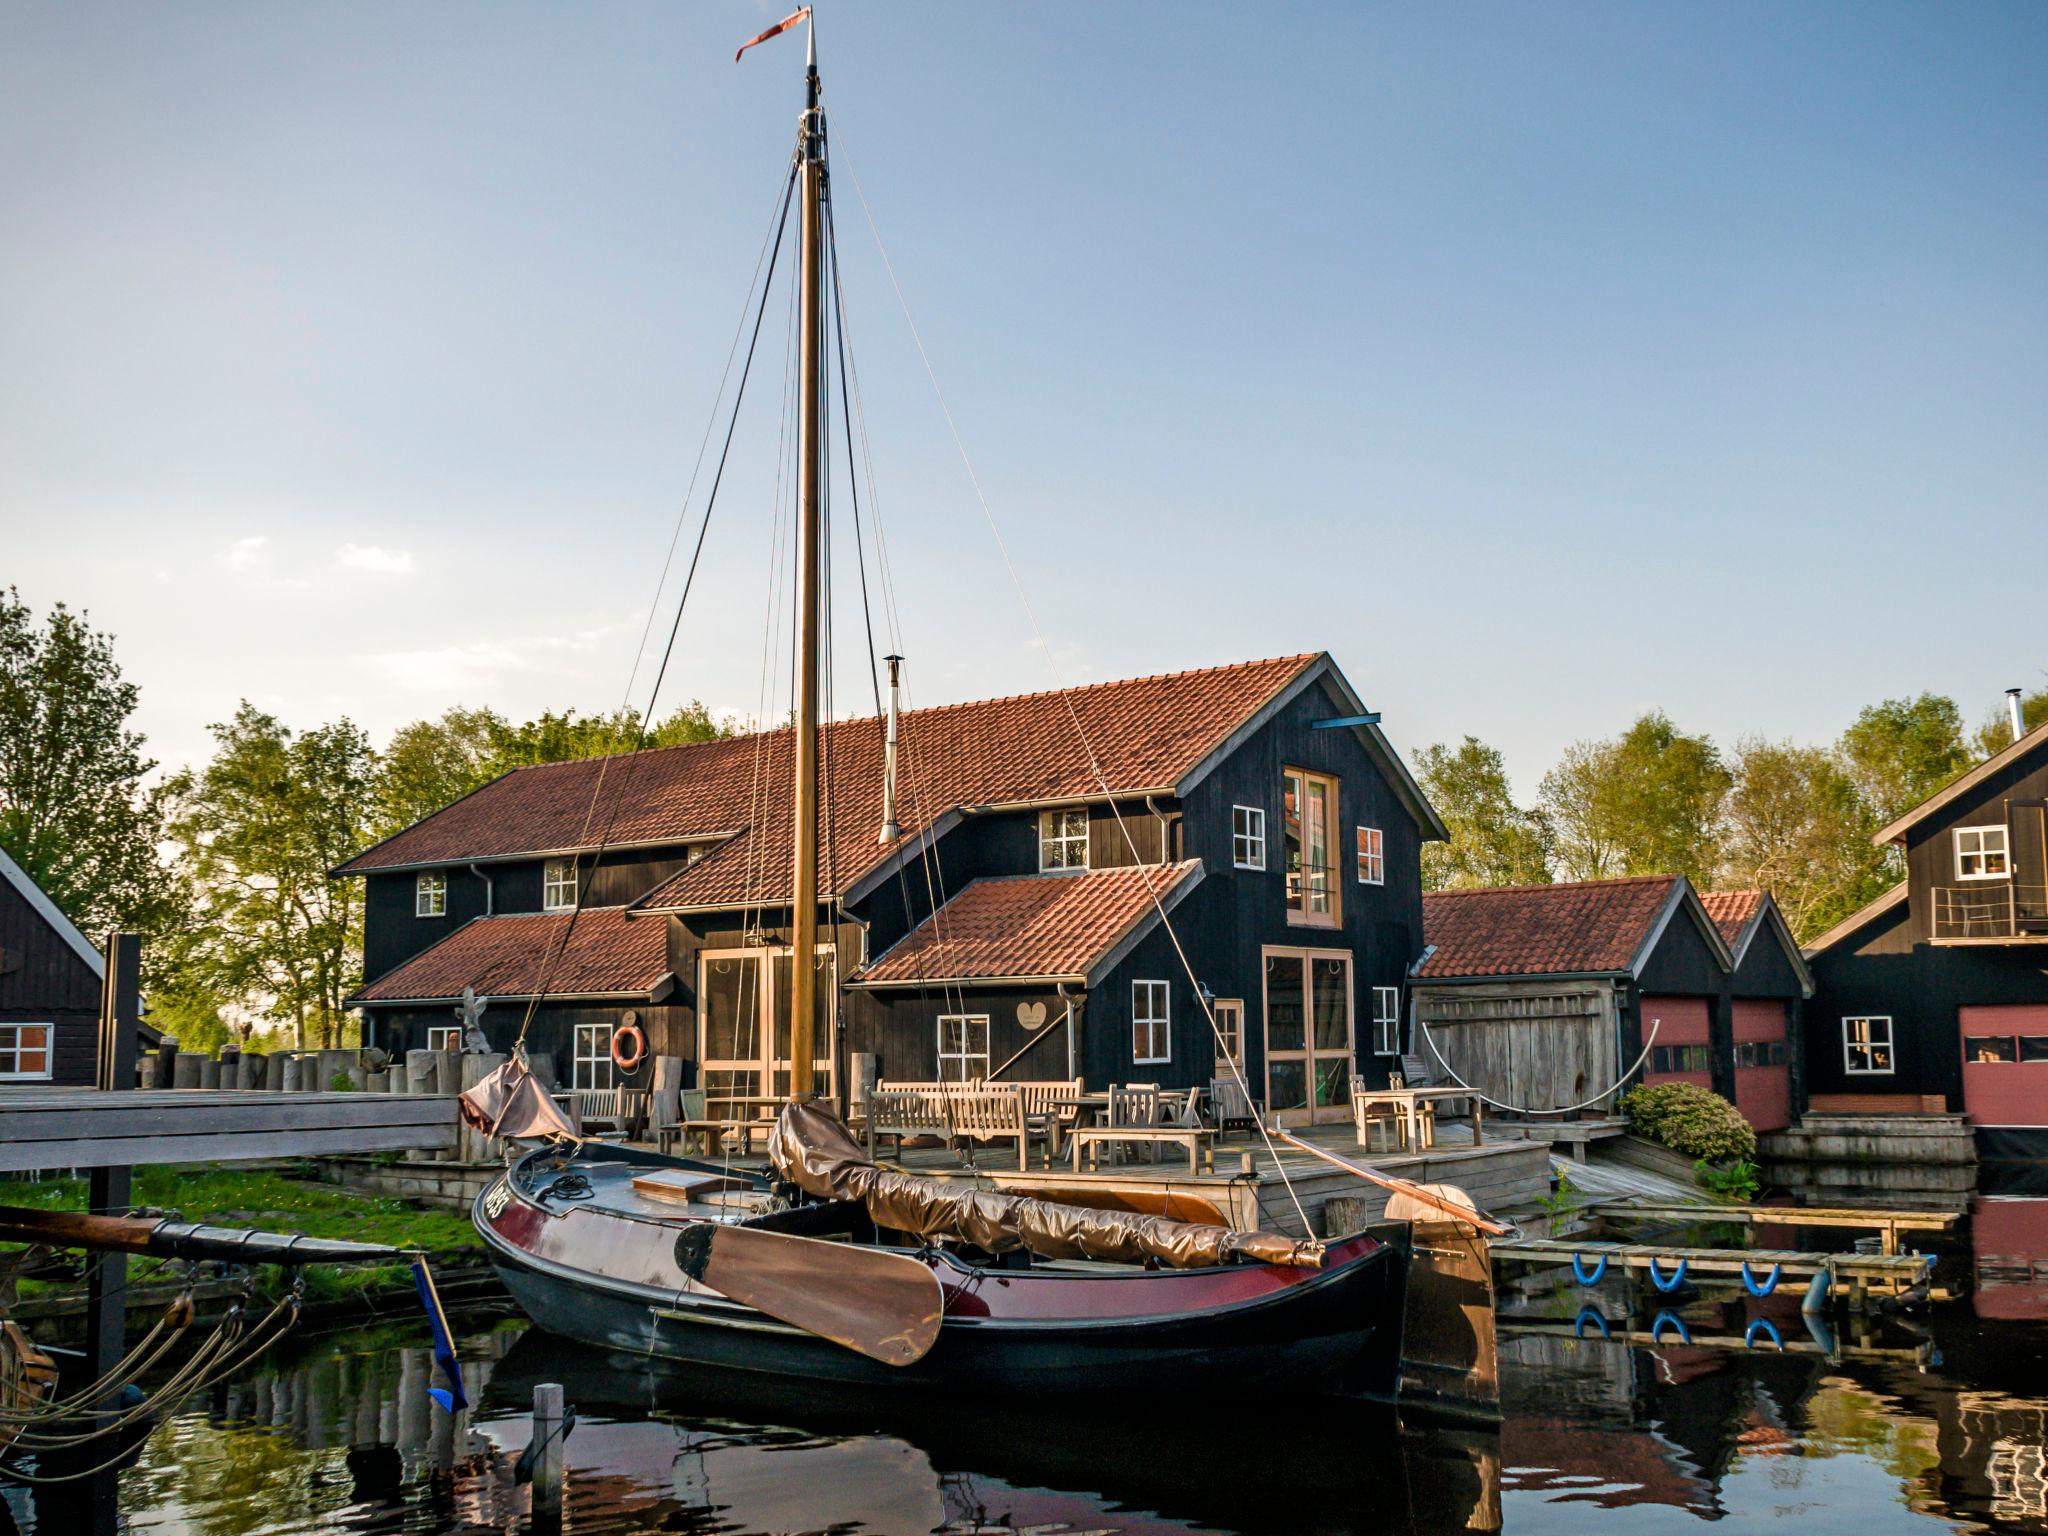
[620, 1036]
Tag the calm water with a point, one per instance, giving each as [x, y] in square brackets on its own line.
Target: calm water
[1944, 1432]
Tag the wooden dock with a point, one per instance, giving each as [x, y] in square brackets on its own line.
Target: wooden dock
[1888, 1224]
[46, 1128]
[1854, 1274]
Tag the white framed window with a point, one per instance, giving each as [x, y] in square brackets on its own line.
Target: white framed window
[1372, 857]
[963, 1047]
[1981, 854]
[1063, 839]
[1151, 1022]
[444, 1037]
[1248, 836]
[1229, 1013]
[1386, 1021]
[1867, 1044]
[430, 895]
[591, 1064]
[26, 1052]
[558, 885]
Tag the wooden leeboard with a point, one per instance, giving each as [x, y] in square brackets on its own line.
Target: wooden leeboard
[884, 1305]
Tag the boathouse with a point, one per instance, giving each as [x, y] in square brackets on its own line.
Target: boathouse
[1934, 998]
[1545, 996]
[49, 989]
[997, 912]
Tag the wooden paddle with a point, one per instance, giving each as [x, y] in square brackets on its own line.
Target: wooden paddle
[884, 1305]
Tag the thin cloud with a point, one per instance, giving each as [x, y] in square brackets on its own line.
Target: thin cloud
[481, 664]
[375, 559]
[250, 554]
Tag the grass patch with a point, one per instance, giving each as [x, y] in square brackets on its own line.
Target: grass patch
[277, 1201]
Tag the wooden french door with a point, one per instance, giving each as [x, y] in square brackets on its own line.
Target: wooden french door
[743, 1000]
[1309, 1051]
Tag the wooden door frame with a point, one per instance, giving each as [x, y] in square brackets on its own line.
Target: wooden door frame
[764, 1062]
[1308, 1055]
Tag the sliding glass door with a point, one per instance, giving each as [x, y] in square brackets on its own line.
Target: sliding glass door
[1308, 1034]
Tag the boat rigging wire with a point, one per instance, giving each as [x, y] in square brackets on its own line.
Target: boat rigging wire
[1066, 700]
[1517, 1109]
[560, 947]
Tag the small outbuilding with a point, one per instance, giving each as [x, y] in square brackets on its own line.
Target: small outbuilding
[49, 989]
[1546, 996]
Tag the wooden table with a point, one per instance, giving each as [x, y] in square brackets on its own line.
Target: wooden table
[1409, 1102]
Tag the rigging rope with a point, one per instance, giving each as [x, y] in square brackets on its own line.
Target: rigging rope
[1516, 1109]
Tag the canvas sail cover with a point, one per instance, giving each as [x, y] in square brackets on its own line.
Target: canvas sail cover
[812, 1150]
[511, 1103]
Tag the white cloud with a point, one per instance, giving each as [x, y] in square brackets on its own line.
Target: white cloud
[483, 663]
[250, 554]
[374, 558]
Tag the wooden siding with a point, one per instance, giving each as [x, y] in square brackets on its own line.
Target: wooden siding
[1535, 1044]
[1930, 846]
[46, 981]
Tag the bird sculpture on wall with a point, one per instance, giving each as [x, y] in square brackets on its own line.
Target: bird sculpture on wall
[471, 1012]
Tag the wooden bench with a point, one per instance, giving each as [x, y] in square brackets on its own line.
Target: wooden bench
[1199, 1141]
[954, 1112]
[595, 1106]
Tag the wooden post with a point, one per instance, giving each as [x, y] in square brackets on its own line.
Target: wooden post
[110, 1191]
[166, 1063]
[547, 1448]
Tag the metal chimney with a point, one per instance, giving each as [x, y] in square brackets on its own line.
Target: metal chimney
[890, 829]
[2012, 713]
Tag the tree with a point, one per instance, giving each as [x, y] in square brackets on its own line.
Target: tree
[1646, 803]
[257, 830]
[1796, 826]
[1995, 734]
[74, 811]
[1493, 841]
[1901, 751]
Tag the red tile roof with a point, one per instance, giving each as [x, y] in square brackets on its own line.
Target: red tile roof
[1031, 926]
[608, 955]
[1537, 930]
[1731, 911]
[1147, 733]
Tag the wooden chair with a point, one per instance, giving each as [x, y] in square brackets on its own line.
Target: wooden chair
[1044, 1118]
[1416, 1073]
[1373, 1120]
[1230, 1106]
[1135, 1119]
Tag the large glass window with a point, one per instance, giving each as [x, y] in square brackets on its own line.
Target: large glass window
[1063, 839]
[1867, 1043]
[1248, 836]
[1151, 1022]
[25, 1051]
[963, 1047]
[1981, 854]
[1308, 1034]
[558, 885]
[430, 895]
[1309, 836]
[591, 1066]
[743, 1003]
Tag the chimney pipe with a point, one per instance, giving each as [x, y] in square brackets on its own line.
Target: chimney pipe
[2012, 712]
[890, 829]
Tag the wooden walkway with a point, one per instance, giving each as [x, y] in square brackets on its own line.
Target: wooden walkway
[45, 1128]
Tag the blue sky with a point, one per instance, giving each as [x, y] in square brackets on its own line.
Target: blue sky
[1545, 364]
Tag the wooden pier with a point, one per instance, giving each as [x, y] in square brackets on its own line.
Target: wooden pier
[47, 1128]
[1888, 1224]
[1851, 1274]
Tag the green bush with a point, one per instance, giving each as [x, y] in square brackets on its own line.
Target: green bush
[1691, 1120]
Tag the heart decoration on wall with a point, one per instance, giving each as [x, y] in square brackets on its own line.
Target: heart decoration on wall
[1031, 1015]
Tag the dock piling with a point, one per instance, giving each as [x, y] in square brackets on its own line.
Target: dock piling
[547, 1448]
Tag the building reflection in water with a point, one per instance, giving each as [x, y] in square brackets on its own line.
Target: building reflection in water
[341, 1434]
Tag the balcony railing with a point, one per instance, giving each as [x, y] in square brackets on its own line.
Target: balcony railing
[1991, 909]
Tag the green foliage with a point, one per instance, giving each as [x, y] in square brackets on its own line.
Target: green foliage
[1493, 841]
[1563, 1200]
[1646, 803]
[341, 1082]
[1901, 751]
[1795, 825]
[1689, 1119]
[74, 812]
[1732, 1181]
[1995, 734]
[256, 831]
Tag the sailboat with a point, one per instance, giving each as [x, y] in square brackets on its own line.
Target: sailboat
[829, 1267]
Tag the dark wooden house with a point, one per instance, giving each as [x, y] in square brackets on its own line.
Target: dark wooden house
[1935, 996]
[1545, 996]
[49, 989]
[1010, 928]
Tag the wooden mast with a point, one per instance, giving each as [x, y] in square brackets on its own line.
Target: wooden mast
[810, 443]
